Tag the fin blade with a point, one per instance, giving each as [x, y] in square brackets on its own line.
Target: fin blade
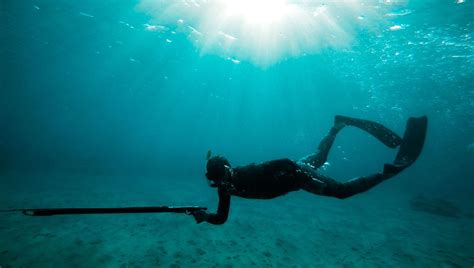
[413, 141]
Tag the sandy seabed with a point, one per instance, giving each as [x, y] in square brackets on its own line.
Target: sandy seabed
[375, 229]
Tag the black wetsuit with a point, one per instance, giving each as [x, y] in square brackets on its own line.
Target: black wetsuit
[275, 178]
[259, 181]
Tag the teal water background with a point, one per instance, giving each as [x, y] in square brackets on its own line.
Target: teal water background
[86, 90]
[99, 94]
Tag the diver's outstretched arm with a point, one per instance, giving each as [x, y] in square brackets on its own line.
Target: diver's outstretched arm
[222, 211]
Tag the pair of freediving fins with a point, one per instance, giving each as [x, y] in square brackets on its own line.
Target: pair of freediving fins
[76, 211]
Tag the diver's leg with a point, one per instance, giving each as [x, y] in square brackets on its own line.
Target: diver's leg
[318, 159]
[322, 185]
[382, 133]
[379, 131]
[411, 143]
[410, 149]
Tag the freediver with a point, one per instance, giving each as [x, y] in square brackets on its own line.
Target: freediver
[278, 177]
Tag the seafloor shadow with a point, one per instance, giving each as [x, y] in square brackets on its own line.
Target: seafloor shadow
[436, 206]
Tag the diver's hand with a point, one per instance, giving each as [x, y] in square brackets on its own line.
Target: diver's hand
[200, 216]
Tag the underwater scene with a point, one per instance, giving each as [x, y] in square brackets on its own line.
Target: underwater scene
[237, 133]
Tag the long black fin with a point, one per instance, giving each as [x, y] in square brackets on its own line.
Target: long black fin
[413, 141]
[379, 131]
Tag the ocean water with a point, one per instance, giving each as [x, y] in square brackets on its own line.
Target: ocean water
[116, 103]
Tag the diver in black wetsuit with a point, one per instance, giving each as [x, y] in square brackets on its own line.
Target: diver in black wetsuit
[278, 177]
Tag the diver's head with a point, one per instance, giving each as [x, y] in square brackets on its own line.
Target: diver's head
[217, 168]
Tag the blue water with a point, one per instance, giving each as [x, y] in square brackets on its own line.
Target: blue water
[96, 109]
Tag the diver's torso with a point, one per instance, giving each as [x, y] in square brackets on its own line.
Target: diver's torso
[266, 180]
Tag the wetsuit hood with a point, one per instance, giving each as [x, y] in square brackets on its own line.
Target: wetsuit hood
[217, 168]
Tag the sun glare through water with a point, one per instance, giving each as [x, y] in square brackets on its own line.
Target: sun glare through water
[258, 13]
[264, 32]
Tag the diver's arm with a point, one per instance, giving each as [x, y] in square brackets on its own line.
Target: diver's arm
[222, 210]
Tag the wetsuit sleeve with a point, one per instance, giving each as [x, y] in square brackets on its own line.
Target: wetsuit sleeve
[223, 209]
